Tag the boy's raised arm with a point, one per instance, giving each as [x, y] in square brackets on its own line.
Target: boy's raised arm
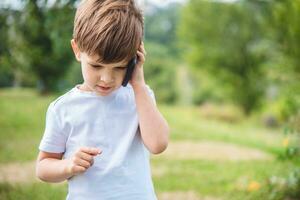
[154, 128]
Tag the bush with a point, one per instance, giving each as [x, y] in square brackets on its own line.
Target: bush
[285, 187]
[288, 187]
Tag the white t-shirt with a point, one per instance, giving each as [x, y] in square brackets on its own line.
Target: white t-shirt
[80, 118]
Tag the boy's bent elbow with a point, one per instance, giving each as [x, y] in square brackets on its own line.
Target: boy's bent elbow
[44, 176]
[48, 167]
[162, 145]
[44, 172]
[38, 172]
[41, 177]
[159, 149]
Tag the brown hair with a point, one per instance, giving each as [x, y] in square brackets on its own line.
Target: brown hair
[111, 29]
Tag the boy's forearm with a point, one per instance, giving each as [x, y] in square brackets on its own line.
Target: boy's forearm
[53, 170]
[154, 128]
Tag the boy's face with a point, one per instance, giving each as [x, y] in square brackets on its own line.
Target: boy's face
[98, 77]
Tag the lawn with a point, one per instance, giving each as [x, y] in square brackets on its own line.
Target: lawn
[22, 122]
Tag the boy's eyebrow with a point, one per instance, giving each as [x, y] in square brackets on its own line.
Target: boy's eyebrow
[97, 64]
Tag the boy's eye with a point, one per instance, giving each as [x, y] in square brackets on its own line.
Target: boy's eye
[96, 66]
[121, 68]
[99, 67]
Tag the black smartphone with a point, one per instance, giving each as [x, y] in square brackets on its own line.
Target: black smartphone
[129, 71]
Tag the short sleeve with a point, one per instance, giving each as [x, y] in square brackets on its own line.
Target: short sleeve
[54, 140]
[150, 91]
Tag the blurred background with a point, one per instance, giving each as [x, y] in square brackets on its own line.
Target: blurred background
[226, 75]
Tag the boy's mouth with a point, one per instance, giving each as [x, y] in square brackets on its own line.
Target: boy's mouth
[102, 88]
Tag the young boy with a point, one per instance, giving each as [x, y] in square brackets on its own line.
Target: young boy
[99, 134]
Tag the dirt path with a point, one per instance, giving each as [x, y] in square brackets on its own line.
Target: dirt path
[212, 151]
[18, 172]
[190, 195]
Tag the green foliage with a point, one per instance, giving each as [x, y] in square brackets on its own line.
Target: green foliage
[284, 18]
[227, 40]
[162, 52]
[73, 76]
[37, 44]
[6, 75]
[246, 47]
[160, 72]
[47, 52]
[206, 88]
[292, 137]
[161, 25]
[288, 187]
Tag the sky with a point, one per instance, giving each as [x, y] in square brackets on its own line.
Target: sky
[159, 3]
[164, 2]
[14, 3]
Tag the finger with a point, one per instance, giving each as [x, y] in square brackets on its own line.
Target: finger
[144, 50]
[91, 150]
[79, 169]
[141, 56]
[81, 162]
[86, 157]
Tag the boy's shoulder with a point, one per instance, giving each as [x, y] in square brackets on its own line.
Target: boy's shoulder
[62, 100]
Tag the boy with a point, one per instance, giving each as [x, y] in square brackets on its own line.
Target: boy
[99, 134]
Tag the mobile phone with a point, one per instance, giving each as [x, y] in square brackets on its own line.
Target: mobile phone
[129, 71]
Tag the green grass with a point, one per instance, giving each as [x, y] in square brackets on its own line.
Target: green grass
[22, 122]
[226, 180]
[37, 191]
[187, 123]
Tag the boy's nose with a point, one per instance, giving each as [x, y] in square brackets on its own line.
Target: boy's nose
[107, 78]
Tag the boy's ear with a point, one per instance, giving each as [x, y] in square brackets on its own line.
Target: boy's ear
[75, 50]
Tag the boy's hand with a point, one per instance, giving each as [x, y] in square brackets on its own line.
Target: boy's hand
[82, 160]
[137, 78]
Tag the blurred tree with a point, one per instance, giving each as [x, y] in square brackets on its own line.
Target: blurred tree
[227, 39]
[59, 20]
[46, 32]
[6, 74]
[284, 19]
[160, 72]
[163, 55]
[161, 25]
[16, 60]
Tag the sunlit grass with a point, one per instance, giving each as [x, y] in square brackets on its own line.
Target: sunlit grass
[22, 121]
[37, 191]
[188, 123]
[226, 179]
